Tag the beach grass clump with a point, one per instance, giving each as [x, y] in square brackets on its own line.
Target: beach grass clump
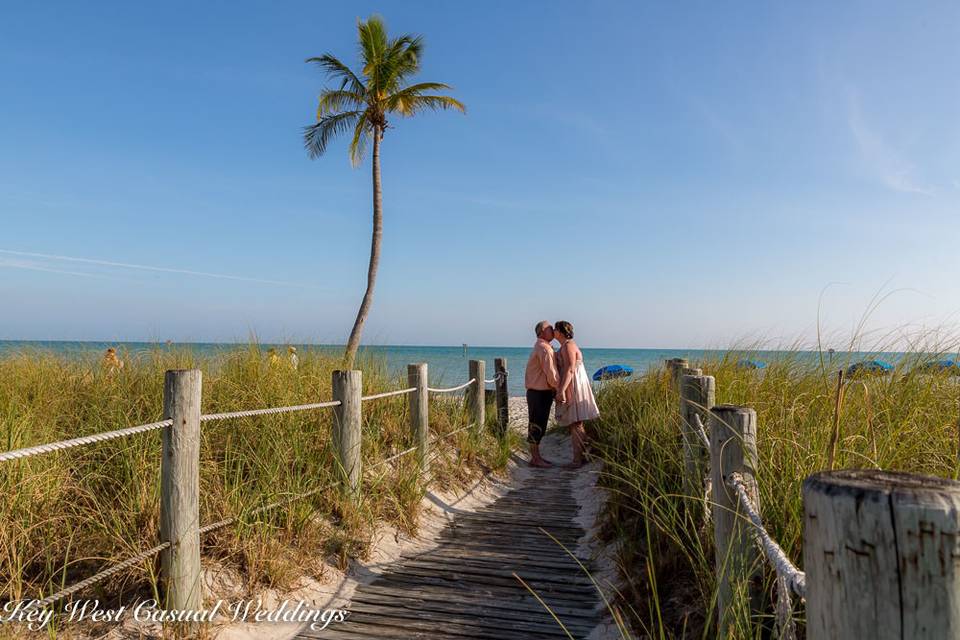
[66, 515]
[902, 420]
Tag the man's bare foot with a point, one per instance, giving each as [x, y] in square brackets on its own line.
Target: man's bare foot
[540, 463]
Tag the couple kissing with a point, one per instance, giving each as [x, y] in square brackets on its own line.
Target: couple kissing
[557, 376]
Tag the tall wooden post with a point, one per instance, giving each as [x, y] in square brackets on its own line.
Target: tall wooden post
[880, 553]
[347, 422]
[733, 447]
[476, 398]
[697, 397]
[674, 368]
[419, 416]
[180, 490]
[503, 396]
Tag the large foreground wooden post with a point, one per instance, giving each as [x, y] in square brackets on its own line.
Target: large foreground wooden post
[347, 422]
[733, 448]
[419, 416]
[697, 397]
[180, 490]
[503, 396]
[880, 552]
[476, 398]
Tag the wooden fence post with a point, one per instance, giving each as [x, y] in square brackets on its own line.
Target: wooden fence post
[476, 398]
[419, 416]
[503, 396]
[674, 368]
[180, 490]
[733, 448]
[347, 422]
[880, 554]
[697, 397]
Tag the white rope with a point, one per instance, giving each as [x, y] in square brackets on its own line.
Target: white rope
[496, 376]
[265, 412]
[76, 442]
[451, 389]
[387, 394]
[700, 431]
[103, 575]
[796, 579]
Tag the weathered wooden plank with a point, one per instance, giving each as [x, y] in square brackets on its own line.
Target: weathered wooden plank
[402, 583]
[556, 562]
[535, 621]
[465, 588]
[880, 549]
[444, 600]
[526, 572]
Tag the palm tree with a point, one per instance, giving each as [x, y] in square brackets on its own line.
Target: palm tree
[361, 104]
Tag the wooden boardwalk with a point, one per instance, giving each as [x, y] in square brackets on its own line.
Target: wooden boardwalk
[465, 587]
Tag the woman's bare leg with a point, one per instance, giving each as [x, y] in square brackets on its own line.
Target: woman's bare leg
[577, 440]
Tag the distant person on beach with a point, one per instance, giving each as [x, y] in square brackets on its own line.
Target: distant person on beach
[272, 358]
[541, 380]
[111, 362]
[294, 360]
[575, 401]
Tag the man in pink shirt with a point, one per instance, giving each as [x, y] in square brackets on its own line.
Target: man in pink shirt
[541, 380]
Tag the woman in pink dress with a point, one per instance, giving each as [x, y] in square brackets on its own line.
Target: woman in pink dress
[575, 402]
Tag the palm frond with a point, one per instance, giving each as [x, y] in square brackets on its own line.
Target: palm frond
[408, 105]
[358, 146]
[401, 59]
[333, 100]
[316, 136]
[373, 40]
[338, 70]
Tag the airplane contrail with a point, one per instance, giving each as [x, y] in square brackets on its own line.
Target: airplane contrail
[143, 267]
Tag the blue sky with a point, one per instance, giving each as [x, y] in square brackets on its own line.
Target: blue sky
[661, 174]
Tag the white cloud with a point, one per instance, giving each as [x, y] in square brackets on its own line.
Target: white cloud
[40, 266]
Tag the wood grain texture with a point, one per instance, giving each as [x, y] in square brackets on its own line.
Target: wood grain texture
[347, 422]
[675, 367]
[503, 396]
[465, 587]
[697, 397]
[180, 489]
[881, 553]
[733, 448]
[419, 413]
[476, 398]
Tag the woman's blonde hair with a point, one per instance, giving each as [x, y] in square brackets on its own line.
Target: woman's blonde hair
[565, 328]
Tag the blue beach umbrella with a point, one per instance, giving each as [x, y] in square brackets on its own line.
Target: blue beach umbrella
[612, 371]
[869, 366]
[747, 363]
[949, 364]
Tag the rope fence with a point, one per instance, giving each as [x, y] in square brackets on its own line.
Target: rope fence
[186, 384]
[452, 389]
[736, 433]
[16, 454]
[788, 576]
[249, 413]
[388, 394]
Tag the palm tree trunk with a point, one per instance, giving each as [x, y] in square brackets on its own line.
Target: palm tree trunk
[354, 342]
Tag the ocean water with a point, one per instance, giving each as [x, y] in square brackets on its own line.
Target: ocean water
[448, 366]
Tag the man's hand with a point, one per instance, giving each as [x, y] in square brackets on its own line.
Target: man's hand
[561, 398]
